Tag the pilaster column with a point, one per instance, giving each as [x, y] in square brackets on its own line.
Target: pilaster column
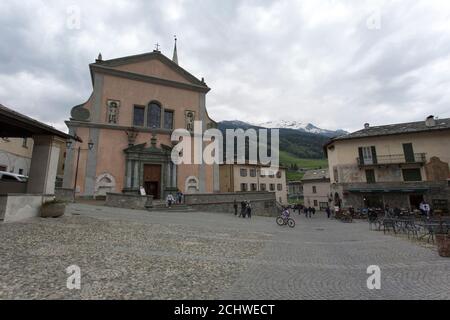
[174, 175]
[128, 173]
[136, 174]
[44, 164]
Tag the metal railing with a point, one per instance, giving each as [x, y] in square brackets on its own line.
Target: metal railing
[392, 159]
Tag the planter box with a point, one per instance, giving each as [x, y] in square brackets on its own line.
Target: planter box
[443, 244]
[52, 209]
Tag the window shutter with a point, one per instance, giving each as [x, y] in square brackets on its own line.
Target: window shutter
[374, 154]
[361, 156]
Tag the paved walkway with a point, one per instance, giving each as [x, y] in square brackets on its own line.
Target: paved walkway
[127, 254]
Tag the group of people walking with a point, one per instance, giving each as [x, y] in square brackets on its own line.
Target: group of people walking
[246, 209]
[178, 199]
[308, 211]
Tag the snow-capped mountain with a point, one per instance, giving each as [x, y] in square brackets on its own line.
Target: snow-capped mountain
[297, 125]
[295, 140]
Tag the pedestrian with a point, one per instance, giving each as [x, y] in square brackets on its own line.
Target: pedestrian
[305, 211]
[388, 212]
[170, 200]
[249, 210]
[422, 207]
[427, 209]
[310, 210]
[313, 210]
[243, 209]
[235, 206]
[328, 211]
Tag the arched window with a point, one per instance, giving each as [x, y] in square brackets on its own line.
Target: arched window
[154, 115]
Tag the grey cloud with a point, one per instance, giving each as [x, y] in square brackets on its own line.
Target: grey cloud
[314, 61]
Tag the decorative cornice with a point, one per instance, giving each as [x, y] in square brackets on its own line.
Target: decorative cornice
[149, 79]
[74, 123]
[150, 56]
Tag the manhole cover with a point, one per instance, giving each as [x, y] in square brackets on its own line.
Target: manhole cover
[320, 229]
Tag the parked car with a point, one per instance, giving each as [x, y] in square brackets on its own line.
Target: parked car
[9, 176]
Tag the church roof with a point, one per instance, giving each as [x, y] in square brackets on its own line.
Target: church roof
[107, 66]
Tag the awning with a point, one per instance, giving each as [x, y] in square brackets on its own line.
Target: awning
[16, 125]
[388, 190]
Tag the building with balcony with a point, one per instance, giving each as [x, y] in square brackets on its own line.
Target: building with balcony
[399, 165]
[295, 190]
[253, 178]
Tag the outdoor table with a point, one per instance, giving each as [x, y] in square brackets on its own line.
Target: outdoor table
[430, 229]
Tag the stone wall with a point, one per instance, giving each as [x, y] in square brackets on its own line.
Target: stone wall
[128, 201]
[263, 203]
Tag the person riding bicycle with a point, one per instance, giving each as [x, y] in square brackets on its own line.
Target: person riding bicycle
[285, 218]
[285, 213]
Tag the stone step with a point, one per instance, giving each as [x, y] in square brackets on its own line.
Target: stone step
[174, 208]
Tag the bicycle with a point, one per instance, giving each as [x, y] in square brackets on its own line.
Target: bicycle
[283, 220]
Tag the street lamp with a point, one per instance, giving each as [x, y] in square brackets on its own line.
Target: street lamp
[69, 147]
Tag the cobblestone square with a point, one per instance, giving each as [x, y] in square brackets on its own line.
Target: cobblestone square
[126, 254]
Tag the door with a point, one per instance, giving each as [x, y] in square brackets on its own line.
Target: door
[415, 200]
[408, 152]
[370, 176]
[152, 180]
[152, 189]
[367, 155]
[373, 201]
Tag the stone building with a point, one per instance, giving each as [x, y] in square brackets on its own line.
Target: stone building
[316, 189]
[136, 103]
[254, 178]
[397, 165]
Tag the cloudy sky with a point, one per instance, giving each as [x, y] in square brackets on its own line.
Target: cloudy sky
[334, 63]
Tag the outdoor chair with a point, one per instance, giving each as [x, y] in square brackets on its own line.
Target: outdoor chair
[388, 225]
[373, 220]
[412, 229]
[430, 228]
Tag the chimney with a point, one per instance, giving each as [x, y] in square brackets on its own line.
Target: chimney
[99, 59]
[430, 122]
[366, 126]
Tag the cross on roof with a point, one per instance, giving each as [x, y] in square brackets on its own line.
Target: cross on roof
[157, 46]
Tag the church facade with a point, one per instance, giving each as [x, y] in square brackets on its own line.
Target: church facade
[136, 103]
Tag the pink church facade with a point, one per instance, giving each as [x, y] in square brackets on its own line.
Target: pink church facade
[135, 105]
